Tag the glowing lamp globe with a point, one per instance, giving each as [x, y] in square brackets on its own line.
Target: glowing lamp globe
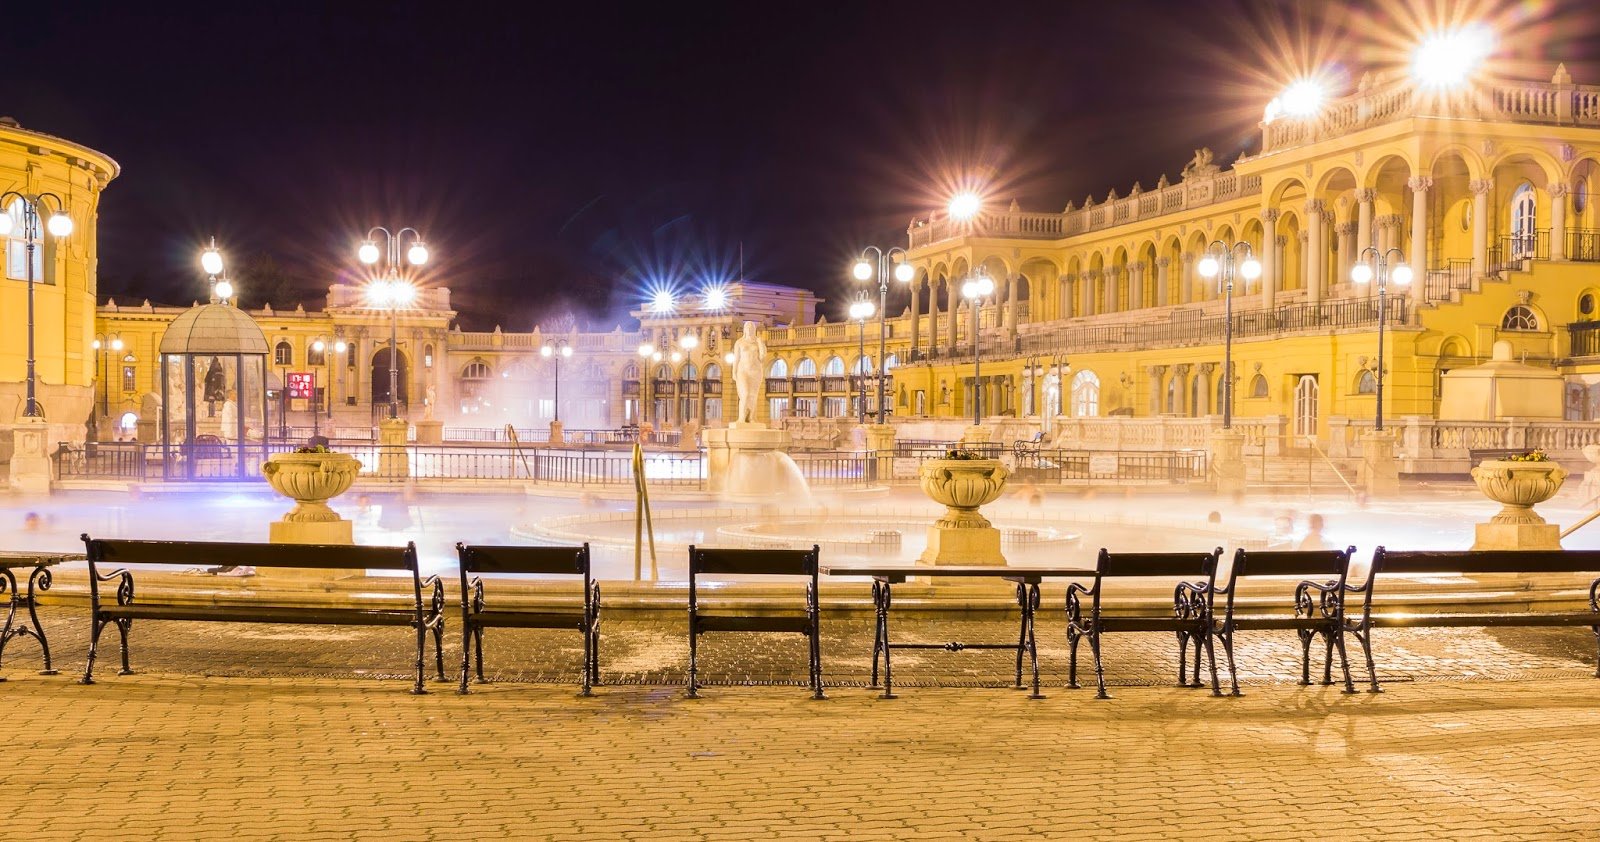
[689, 341]
[904, 273]
[116, 343]
[417, 254]
[566, 350]
[1401, 274]
[339, 346]
[646, 349]
[5, 224]
[368, 253]
[60, 225]
[728, 358]
[211, 261]
[1361, 273]
[1209, 267]
[965, 205]
[224, 290]
[319, 346]
[1250, 269]
[862, 270]
[545, 351]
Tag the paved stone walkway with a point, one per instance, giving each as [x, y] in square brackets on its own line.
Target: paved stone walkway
[245, 732]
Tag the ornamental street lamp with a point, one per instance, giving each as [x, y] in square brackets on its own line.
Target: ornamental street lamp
[59, 225]
[975, 290]
[104, 352]
[390, 292]
[903, 272]
[861, 310]
[1222, 262]
[554, 350]
[687, 402]
[1363, 272]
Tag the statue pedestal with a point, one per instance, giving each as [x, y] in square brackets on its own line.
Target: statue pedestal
[1380, 471]
[314, 532]
[880, 440]
[975, 435]
[558, 434]
[30, 458]
[1517, 536]
[394, 461]
[749, 461]
[430, 431]
[964, 545]
[1227, 461]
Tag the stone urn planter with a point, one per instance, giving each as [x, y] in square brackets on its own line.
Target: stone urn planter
[962, 486]
[963, 535]
[311, 480]
[1518, 487]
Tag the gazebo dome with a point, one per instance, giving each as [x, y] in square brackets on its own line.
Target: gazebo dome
[213, 329]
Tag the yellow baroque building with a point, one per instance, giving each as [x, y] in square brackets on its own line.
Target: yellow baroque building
[63, 176]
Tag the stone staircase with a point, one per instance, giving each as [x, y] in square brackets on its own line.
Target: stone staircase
[1299, 470]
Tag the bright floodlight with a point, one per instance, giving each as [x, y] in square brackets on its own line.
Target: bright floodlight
[224, 290]
[377, 294]
[862, 270]
[1361, 273]
[662, 301]
[417, 254]
[1303, 98]
[646, 349]
[1209, 266]
[1401, 274]
[368, 252]
[211, 261]
[689, 341]
[714, 297]
[904, 273]
[1250, 268]
[1448, 59]
[965, 205]
[977, 287]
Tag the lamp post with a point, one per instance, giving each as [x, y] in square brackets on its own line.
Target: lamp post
[1222, 262]
[649, 357]
[103, 353]
[391, 292]
[1379, 268]
[903, 272]
[59, 225]
[975, 290]
[555, 349]
[861, 310]
[688, 342]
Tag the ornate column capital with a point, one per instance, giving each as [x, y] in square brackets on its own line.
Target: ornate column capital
[1207, 368]
[1181, 369]
[1347, 229]
[1366, 195]
[1270, 215]
[1189, 258]
[1163, 262]
[1420, 183]
[1304, 236]
[1480, 186]
[1157, 370]
[1282, 240]
[1314, 206]
[1136, 267]
[1558, 190]
[1112, 272]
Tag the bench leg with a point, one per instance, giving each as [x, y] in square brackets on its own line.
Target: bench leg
[1022, 632]
[1195, 674]
[1183, 658]
[1227, 651]
[1073, 637]
[694, 665]
[883, 597]
[1328, 640]
[1033, 639]
[438, 649]
[94, 647]
[420, 688]
[477, 651]
[1596, 630]
[466, 655]
[1306, 636]
[122, 630]
[877, 633]
[1344, 662]
[1099, 669]
[1211, 658]
[1364, 637]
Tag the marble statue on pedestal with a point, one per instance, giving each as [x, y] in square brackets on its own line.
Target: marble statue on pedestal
[749, 371]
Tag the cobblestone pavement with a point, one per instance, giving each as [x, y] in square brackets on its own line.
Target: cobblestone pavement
[292, 744]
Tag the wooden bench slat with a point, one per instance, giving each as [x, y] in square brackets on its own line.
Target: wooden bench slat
[222, 553]
[494, 558]
[1527, 619]
[264, 614]
[705, 560]
[1180, 565]
[542, 619]
[1416, 562]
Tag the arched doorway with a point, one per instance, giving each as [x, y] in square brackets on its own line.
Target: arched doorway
[380, 378]
[1305, 406]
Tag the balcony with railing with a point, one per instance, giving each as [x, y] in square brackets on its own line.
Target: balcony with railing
[1584, 339]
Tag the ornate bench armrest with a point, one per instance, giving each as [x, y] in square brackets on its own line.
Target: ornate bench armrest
[124, 585]
[436, 603]
[474, 594]
[1594, 595]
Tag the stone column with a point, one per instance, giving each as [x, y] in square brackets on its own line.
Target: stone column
[1364, 218]
[933, 318]
[1558, 221]
[1113, 278]
[916, 320]
[1158, 375]
[952, 301]
[1480, 225]
[1009, 317]
[1316, 251]
[1347, 250]
[1380, 471]
[1269, 256]
[30, 457]
[1136, 285]
[1163, 281]
[1418, 256]
[1186, 279]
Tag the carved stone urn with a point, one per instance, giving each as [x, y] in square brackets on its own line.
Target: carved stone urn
[311, 480]
[963, 535]
[1518, 487]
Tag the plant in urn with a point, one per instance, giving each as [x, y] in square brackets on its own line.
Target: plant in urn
[962, 482]
[1518, 483]
[311, 476]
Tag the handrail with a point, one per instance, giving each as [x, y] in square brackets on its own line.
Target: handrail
[1312, 441]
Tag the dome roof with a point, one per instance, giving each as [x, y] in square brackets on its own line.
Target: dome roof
[213, 329]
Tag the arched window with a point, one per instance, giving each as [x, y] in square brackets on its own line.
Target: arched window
[1524, 206]
[805, 368]
[663, 372]
[863, 365]
[1366, 384]
[630, 372]
[713, 372]
[1258, 386]
[427, 356]
[1520, 317]
[834, 367]
[1085, 394]
[689, 372]
[476, 370]
[779, 368]
[17, 249]
[316, 357]
[282, 353]
[1175, 394]
[891, 363]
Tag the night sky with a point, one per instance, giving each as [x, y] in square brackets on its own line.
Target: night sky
[563, 157]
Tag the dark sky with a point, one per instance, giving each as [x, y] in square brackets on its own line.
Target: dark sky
[564, 156]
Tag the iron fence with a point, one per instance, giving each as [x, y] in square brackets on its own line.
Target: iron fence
[1583, 244]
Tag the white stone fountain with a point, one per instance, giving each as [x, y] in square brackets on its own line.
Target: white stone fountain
[749, 460]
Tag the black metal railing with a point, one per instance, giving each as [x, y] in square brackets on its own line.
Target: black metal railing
[835, 383]
[1585, 339]
[1456, 274]
[1583, 244]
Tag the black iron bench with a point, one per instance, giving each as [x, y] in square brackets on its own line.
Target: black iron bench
[1190, 619]
[1319, 599]
[478, 559]
[703, 561]
[128, 607]
[1392, 563]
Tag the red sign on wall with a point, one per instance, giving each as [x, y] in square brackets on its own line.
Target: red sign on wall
[302, 384]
